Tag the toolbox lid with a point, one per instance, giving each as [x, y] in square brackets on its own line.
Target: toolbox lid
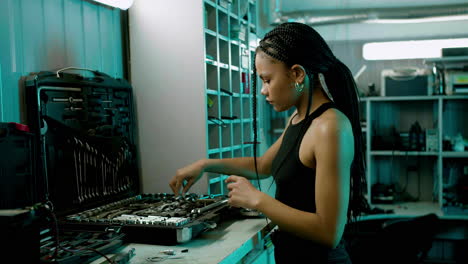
[86, 129]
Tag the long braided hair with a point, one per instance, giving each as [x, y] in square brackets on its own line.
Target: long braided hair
[296, 43]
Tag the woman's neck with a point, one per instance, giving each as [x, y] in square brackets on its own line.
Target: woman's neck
[318, 98]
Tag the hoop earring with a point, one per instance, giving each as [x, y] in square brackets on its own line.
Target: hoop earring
[299, 87]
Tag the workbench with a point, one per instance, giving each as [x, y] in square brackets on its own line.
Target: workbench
[233, 241]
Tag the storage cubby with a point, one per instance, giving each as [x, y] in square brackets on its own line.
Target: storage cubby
[243, 9]
[247, 108]
[235, 7]
[403, 177]
[455, 182]
[226, 154]
[223, 24]
[227, 85]
[224, 51]
[455, 124]
[252, 15]
[237, 134]
[234, 54]
[226, 136]
[212, 78]
[395, 123]
[236, 106]
[244, 58]
[248, 134]
[224, 81]
[213, 136]
[211, 48]
[217, 184]
[210, 16]
[213, 106]
[225, 106]
[235, 81]
[214, 155]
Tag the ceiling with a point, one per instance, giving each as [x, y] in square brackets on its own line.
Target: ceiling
[373, 19]
[301, 5]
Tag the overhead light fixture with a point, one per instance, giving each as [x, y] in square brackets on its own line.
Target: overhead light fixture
[122, 4]
[417, 20]
[415, 49]
[384, 15]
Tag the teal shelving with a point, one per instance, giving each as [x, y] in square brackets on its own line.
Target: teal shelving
[423, 174]
[227, 70]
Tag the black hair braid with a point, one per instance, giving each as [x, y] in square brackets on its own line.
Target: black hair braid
[296, 43]
[344, 92]
[254, 112]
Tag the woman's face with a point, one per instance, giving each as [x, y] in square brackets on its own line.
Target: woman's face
[277, 82]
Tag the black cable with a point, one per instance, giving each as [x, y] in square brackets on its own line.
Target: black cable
[254, 110]
[58, 246]
[419, 178]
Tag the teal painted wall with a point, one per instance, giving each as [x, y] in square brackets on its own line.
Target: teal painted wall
[38, 35]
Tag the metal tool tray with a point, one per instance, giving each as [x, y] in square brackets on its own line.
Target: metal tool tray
[85, 128]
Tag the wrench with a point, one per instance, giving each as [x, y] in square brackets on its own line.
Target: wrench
[96, 173]
[88, 170]
[209, 207]
[75, 158]
[85, 176]
[103, 175]
[108, 176]
[115, 183]
[81, 195]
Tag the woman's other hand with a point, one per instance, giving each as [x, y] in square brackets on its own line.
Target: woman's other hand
[242, 193]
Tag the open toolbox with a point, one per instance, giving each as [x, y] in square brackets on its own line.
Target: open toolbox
[86, 133]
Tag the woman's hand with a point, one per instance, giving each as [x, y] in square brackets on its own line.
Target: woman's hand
[242, 193]
[186, 177]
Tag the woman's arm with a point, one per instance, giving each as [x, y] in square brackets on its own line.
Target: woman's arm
[333, 151]
[242, 166]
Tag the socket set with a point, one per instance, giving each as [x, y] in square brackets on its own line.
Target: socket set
[85, 130]
[159, 218]
[155, 209]
[166, 219]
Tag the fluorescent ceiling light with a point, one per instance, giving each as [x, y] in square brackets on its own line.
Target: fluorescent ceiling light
[122, 4]
[416, 49]
[417, 20]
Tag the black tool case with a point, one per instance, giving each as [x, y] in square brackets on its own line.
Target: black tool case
[85, 128]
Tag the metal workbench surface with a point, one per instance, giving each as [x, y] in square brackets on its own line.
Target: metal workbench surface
[229, 242]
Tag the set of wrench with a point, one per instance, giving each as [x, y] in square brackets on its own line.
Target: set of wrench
[97, 173]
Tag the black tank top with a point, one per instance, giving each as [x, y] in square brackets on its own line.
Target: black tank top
[295, 183]
[295, 186]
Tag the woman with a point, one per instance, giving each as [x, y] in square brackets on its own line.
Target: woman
[317, 162]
